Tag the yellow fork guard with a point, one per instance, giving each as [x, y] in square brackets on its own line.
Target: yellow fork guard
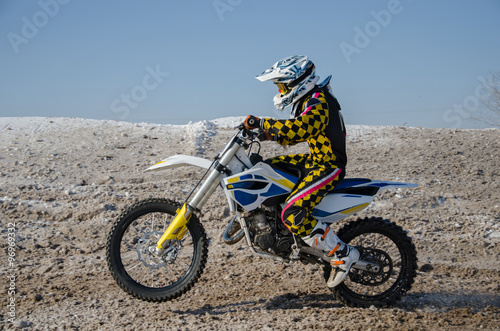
[177, 229]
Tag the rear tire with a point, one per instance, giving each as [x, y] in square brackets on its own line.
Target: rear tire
[144, 275]
[385, 243]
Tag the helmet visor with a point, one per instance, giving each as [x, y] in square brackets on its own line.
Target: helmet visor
[283, 88]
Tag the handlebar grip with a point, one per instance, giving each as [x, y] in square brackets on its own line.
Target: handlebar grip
[252, 121]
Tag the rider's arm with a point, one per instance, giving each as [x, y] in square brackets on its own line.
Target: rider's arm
[310, 123]
[284, 141]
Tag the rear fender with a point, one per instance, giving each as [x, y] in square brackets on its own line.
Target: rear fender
[180, 161]
[346, 201]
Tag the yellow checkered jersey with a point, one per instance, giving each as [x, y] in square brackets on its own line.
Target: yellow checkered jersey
[320, 123]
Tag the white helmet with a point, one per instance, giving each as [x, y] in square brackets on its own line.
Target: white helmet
[294, 77]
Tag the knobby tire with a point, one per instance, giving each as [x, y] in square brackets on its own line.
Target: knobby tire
[161, 293]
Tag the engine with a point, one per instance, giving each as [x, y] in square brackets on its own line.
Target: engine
[262, 231]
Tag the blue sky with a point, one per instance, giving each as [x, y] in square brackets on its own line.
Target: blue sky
[407, 62]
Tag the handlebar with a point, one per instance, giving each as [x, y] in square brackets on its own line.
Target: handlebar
[250, 133]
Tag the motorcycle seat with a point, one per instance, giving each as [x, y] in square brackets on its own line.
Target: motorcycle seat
[291, 172]
[348, 186]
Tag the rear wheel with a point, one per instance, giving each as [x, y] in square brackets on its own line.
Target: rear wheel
[387, 245]
[139, 271]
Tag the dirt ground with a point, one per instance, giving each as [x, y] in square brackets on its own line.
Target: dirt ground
[63, 182]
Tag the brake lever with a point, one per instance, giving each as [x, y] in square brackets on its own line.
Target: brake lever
[246, 132]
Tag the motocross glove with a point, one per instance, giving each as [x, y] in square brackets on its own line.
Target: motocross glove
[252, 122]
[264, 135]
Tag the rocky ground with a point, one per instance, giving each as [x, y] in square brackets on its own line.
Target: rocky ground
[63, 182]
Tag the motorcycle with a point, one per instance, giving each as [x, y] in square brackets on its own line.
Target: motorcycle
[157, 249]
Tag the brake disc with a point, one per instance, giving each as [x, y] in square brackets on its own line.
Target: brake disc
[145, 252]
[373, 277]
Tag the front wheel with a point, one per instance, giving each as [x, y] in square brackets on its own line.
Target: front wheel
[383, 243]
[135, 266]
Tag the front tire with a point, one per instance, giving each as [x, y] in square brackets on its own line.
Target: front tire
[385, 243]
[144, 275]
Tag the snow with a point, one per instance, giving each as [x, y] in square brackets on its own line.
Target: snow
[193, 130]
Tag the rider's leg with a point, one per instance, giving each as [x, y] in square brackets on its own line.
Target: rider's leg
[343, 255]
[297, 213]
[289, 161]
[297, 216]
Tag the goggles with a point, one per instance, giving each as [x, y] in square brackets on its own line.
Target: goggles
[283, 88]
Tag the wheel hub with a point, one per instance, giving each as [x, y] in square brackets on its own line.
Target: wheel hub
[148, 254]
[379, 273]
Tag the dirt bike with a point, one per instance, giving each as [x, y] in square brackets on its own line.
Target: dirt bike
[157, 249]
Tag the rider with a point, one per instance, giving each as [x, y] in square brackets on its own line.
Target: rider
[315, 118]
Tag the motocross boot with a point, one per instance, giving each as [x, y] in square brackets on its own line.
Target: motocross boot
[341, 262]
[343, 256]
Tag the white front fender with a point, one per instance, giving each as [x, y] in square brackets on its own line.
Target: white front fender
[180, 161]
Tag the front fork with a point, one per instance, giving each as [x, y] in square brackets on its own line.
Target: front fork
[177, 229]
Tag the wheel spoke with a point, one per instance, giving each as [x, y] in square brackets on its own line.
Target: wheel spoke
[127, 255]
[133, 227]
[137, 265]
